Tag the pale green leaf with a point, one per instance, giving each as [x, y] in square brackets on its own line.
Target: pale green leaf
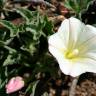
[25, 13]
[13, 29]
[34, 88]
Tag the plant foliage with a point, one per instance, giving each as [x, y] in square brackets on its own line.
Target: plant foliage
[77, 6]
[24, 46]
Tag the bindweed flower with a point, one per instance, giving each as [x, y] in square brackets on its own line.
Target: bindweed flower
[74, 47]
[14, 84]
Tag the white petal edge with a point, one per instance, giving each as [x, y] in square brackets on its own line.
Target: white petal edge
[92, 42]
[57, 42]
[70, 29]
[87, 38]
[64, 64]
[63, 31]
[86, 65]
[75, 27]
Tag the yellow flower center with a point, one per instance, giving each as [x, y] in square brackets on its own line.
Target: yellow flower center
[72, 54]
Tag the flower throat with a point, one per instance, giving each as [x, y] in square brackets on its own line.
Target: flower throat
[72, 54]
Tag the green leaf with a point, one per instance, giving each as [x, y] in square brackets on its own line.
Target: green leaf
[2, 3]
[25, 13]
[34, 88]
[8, 61]
[67, 5]
[3, 75]
[13, 29]
[45, 94]
[1, 43]
[77, 5]
[11, 50]
[48, 27]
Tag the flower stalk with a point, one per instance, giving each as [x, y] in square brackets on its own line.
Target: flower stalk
[73, 86]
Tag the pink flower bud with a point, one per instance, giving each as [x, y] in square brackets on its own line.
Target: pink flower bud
[14, 84]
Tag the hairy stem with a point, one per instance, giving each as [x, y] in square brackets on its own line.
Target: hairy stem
[73, 86]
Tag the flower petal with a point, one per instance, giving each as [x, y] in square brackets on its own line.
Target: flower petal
[85, 65]
[92, 40]
[69, 31]
[63, 32]
[64, 64]
[87, 42]
[77, 69]
[75, 27]
[14, 84]
[56, 42]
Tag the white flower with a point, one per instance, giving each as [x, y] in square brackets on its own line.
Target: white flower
[74, 47]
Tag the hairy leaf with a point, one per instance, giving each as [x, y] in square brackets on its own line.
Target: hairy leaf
[10, 26]
[25, 13]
